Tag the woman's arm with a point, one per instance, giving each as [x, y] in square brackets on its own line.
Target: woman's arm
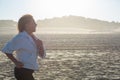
[15, 61]
[41, 48]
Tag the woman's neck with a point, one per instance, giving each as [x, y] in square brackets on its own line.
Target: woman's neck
[30, 33]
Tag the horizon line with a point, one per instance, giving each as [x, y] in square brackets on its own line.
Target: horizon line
[68, 16]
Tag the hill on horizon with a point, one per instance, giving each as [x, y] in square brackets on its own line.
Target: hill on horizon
[67, 24]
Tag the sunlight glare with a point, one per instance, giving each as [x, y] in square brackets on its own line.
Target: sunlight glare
[58, 8]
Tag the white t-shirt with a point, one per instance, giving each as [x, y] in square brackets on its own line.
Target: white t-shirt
[26, 50]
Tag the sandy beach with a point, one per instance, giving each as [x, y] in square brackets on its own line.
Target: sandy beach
[71, 65]
[68, 59]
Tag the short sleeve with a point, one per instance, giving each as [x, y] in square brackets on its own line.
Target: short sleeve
[12, 45]
[8, 48]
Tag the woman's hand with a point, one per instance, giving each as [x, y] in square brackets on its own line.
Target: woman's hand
[19, 64]
[14, 60]
[39, 43]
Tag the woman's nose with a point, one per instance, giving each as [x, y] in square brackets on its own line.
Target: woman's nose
[35, 25]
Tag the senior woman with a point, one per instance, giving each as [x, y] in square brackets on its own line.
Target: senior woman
[27, 47]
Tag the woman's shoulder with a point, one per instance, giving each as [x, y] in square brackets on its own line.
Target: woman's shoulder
[17, 37]
[21, 36]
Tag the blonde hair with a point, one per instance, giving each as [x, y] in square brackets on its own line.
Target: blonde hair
[23, 21]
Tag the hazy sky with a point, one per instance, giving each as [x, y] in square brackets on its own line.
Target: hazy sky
[99, 9]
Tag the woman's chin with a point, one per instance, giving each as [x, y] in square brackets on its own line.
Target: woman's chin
[34, 31]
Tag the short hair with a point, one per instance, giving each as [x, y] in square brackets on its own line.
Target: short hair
[23, 21]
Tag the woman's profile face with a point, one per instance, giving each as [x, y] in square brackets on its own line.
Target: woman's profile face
[31, 26]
